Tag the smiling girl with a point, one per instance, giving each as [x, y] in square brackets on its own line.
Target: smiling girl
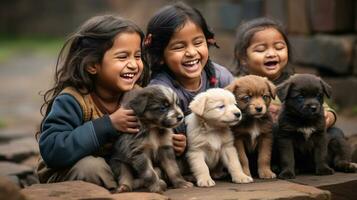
[96, 66]
[177, 43]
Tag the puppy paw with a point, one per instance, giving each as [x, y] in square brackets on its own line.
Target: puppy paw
[286, 174]
[246, 171]
[205, 182]
[324, 170]
[266, 174]
[242, 178]
[122, 188]
[158, 187]
[182, 184]
[347, 167]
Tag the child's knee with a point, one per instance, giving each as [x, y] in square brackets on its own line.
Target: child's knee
[91, 166]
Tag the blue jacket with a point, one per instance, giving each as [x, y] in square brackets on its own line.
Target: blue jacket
[65, 137]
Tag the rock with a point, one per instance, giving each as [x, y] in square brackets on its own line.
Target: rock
[331, 15]
[341, 94]
[275, 189]
[9, 190]
[276, 9]
[9, 168]
[17, 150]
[319, 181]
[81, 190]
[328, 52]
[10, 134]
[298, 20]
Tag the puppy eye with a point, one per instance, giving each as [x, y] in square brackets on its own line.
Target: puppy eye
[266, 97]
[246, 98]
[320, 97]
[300, 98]
[164, 107]
[221, 107]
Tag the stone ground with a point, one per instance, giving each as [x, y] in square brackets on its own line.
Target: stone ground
[23, 76]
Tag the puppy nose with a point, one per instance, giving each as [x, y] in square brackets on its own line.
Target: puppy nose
[259, 109]
[179, 118]
[313, 108]
[237, 114]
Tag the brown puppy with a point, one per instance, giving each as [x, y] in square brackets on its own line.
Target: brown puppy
[254, 132]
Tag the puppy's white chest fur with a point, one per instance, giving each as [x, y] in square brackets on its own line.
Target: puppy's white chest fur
[254, 133]
[306, 131]
[214, 142]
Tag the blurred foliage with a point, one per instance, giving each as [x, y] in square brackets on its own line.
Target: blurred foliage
[12, 46]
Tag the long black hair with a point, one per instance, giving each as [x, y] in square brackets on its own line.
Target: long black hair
[163, 25]
[246, 31]
[84, 48]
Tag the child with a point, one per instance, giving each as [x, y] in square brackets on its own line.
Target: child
[262, 48]
[96, 66]
[177, 44]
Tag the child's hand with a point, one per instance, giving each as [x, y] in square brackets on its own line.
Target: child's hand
[274, 111]
[179, 142]
[329, 119]
[124, 120]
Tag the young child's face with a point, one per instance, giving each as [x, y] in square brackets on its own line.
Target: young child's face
[187, 53]
[121, 66]
[267, 54]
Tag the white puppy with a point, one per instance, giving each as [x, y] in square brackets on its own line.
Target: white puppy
[209, 137]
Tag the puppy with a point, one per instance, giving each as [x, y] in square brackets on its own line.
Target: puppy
[209, 137]
[302, 139]
[254, 133]
[134, 155]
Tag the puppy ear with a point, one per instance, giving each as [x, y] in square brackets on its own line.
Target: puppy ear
[283, 90]
[232, 86]
[272, 88]
[327, 88]
[198, 104]
[139, 103]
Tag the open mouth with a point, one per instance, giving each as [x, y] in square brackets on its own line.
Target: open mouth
[128, 76]
[191, 65]
[271, 64]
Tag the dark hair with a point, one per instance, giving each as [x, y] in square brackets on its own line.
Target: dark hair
[246, 31]
[164, 24]
[84, 48]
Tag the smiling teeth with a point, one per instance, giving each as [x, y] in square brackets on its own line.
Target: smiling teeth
[192, 62]
[128, 75]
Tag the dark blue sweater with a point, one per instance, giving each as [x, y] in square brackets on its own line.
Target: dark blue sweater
[65, 138]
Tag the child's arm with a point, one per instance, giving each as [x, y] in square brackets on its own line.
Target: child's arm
[65, 139]
[330, 115]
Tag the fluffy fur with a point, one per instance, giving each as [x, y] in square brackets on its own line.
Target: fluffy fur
[135, 155]
[302, 140]
[210, 140]
[253, 135]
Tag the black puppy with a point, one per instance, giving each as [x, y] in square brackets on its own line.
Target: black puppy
[302, 139]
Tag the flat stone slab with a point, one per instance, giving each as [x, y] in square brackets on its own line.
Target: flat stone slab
[260, 189]
[72, 190]
[19, 149]
[9, 169]
[319, 181]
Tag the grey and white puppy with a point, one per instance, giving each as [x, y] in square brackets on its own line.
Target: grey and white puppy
[135, 155]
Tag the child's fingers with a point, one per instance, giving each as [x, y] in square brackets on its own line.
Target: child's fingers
[179, 137]
[178, 150]
[179, 144]
[132, 130]
[132, 125]
[132, 119]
